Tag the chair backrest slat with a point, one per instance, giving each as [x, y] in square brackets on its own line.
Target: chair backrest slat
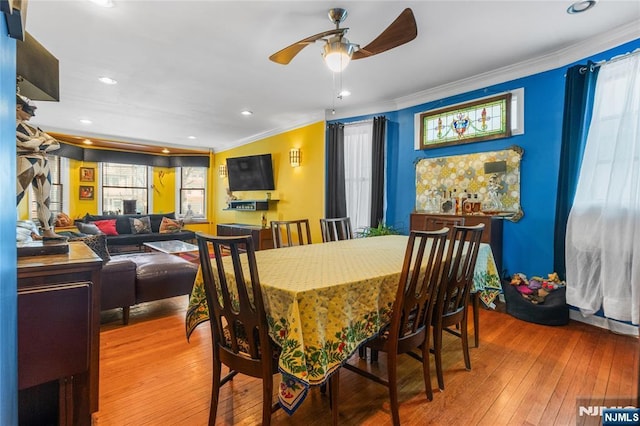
[233, 293]
[462, 253]
[420, 277]
[284, 227]
[334, 229]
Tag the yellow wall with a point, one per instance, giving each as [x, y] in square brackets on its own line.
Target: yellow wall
[300, 190]
[164, 190]
[77, 207]
[164, 194]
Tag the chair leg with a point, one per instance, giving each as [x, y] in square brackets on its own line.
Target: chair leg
[215, 392]
[426, 370]
[392, 377]
[125, 315]
[476, 318]
[437, 354]
[334, 385]
[465, 343]
[267, 395]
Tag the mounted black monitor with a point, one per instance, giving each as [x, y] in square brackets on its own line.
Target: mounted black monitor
[251, 173]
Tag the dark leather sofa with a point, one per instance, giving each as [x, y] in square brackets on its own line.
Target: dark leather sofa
[130, 279]
[126, 237]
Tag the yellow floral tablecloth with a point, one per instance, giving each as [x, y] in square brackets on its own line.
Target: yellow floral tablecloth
[324, 300]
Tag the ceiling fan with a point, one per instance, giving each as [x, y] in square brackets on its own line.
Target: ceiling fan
[338, 51]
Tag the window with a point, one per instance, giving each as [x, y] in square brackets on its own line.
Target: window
[357, 172]
[55, 196]
[124, 188]
[193, 187]
[603, 232]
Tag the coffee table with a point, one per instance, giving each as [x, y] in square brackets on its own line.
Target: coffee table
[172, 246]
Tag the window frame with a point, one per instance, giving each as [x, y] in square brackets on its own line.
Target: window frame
[146, 189]
[181, 211]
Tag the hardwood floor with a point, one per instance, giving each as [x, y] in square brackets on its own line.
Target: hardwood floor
[522, 374]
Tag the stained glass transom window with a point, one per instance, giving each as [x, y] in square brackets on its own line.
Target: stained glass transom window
[472, 122]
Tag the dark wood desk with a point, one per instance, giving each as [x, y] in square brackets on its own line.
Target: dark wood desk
[59, 336]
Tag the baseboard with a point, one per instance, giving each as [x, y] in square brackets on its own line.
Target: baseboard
[606, 323]
[597, 321]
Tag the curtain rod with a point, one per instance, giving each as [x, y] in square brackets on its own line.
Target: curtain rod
[368, 120]
[614, 59]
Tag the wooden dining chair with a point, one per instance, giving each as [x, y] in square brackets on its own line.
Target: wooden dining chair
[452, 299]
[239, 333]
[335, 229]
[411, 312]
[432, 223]
[239, 330]
[287, 233]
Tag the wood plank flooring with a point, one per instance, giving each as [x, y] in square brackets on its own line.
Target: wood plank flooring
[522, 374]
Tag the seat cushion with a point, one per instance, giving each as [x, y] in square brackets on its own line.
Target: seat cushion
[118, 283]
[161, 275]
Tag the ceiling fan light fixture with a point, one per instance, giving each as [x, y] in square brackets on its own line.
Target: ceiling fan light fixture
[337, 54]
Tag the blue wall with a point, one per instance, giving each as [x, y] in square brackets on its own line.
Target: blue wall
[528, 244]
[8, 293]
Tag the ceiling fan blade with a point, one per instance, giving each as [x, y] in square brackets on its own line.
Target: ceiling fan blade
[285, 55]
[401, 31]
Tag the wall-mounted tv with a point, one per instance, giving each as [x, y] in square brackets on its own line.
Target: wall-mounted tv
[251, 173]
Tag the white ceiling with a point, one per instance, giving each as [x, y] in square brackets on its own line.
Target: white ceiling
[187, 68]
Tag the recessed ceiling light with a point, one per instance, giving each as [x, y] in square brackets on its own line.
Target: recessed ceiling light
[87, 142]
[246, 112]
[191, 137]
[103, 3]
[107, 80]
[344, 94]
[166, 151]
[581, 6]
[85, 121]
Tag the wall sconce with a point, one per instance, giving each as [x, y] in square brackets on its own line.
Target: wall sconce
[294, 157]
[222, 170]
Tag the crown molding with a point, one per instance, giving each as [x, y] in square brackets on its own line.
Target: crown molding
[559, 58]
[307, 121]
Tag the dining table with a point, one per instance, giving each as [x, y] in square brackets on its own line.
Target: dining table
[323, 301]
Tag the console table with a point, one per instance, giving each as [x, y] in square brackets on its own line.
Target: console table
[491, 235]
[262, 237]
[59, 336]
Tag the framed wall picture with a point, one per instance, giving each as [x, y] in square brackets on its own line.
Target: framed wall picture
[87, 174]
[481, 120]
[86, 192]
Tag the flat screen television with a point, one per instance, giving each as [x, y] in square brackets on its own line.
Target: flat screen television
[250, 173]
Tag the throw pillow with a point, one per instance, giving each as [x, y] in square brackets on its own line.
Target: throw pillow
[97, 243]
[107, 226]
[170, 226]
[88, 228]
[140, 225]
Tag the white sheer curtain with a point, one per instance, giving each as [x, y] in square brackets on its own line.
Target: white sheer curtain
[603, 230]
[357, 172]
